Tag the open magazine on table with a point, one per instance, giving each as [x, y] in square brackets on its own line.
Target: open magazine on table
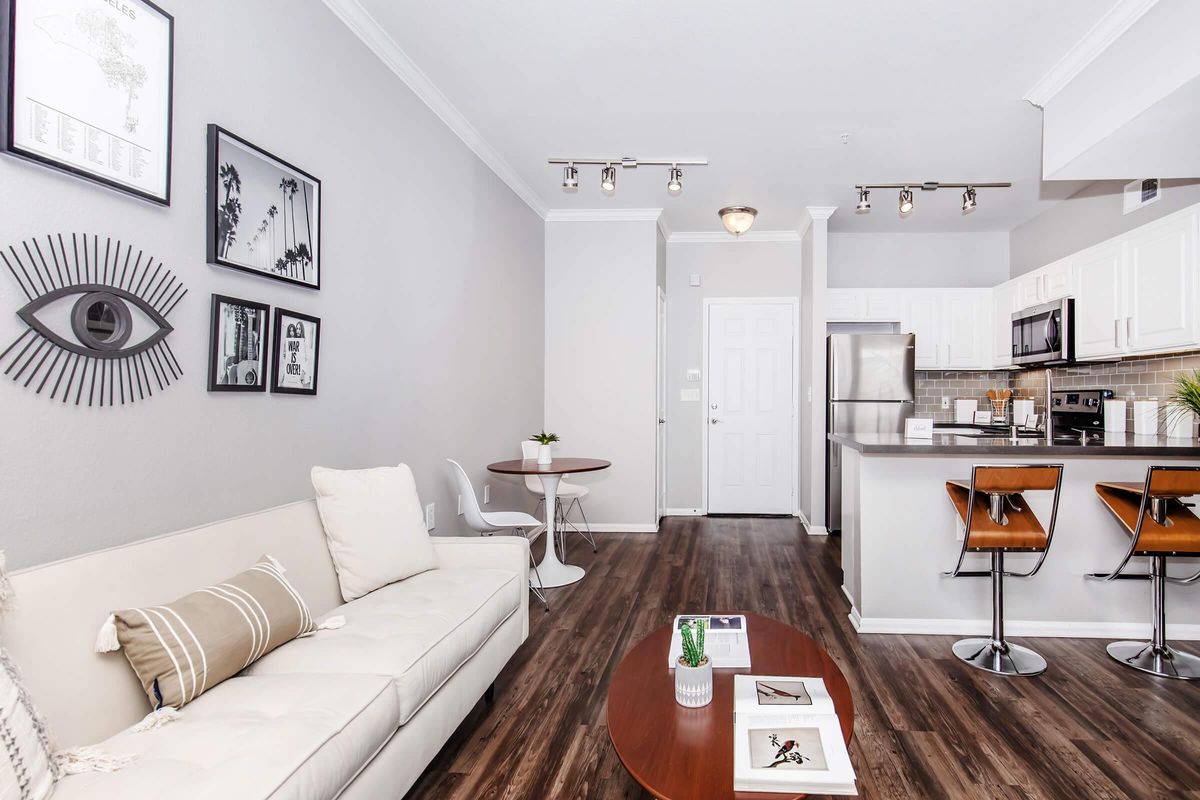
[787, 738]
[725, 640]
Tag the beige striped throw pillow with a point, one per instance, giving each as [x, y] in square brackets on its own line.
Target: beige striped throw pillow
[181, 649]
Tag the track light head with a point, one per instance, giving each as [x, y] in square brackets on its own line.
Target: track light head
[968, 200]
[906, 200]
[864, 201]
[608, 179]
[570, 178]
[674, 180]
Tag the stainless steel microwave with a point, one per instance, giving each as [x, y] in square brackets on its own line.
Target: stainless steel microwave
[1044, 334]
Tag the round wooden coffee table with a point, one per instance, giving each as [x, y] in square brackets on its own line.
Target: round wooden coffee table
[679, 753]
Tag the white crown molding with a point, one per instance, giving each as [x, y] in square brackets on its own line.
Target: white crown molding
[603, 215]
[720, 237]
[821, 212]
[1107, 30]
[372, 34]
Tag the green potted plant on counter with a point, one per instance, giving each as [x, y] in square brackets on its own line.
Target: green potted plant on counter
[693, 671]
[1183, 406]
[544, 440]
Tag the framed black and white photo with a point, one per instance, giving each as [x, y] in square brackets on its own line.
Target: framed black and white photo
[296, 354]
[264, 215]
[237, 360]
[88, 89]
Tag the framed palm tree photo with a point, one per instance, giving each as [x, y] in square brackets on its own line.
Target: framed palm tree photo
[264, 215]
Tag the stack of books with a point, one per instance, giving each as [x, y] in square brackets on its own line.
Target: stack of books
[787, 737]
[725, 641]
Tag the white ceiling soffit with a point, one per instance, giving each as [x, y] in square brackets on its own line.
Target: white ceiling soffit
[364, 26]
[1107, 30]
[723, 237]
[603, 214]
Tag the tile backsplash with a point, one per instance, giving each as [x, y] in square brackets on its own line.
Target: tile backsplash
[1140, 378]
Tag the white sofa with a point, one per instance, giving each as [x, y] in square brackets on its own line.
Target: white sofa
[356, 712]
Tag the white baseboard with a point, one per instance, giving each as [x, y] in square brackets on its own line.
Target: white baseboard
[809, 528]
[1136, 631]
[682, 512]
[624, 527]
[846, 592]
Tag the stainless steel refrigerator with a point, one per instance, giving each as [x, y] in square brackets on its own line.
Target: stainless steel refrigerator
[871, 390]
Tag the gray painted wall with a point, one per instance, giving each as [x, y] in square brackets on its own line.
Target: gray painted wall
[735, 269]
[1088, 217]
[431, 301]
[874, 260]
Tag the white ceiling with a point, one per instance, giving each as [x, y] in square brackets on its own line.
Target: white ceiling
[927, 90]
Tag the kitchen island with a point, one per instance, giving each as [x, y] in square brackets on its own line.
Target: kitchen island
[900, 532]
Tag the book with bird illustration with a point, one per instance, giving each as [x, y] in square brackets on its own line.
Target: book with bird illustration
[787, 737]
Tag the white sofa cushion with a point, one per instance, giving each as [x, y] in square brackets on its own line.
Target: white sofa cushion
[374, 526]
[279, 736]
[417, 632]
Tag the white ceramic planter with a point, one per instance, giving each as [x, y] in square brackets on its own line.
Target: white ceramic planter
[694, 685]
[544, 454]
[1180, 424]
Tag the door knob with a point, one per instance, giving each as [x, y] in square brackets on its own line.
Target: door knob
[713, 420]
[662, 421]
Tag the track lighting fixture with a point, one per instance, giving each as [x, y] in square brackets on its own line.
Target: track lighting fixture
[738, 219]
[864, 201]
[906, 204]
[968, 200]
[608, 172]
[674, 183]
[608, 179]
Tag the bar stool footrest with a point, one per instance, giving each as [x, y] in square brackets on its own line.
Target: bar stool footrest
[1000, 658]
[1166, 662]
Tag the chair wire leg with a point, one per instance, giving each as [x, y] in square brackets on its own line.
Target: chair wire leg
[587, 528]
[537, 590]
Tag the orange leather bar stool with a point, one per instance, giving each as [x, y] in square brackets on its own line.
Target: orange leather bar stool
[1160, 525]
[998, 521]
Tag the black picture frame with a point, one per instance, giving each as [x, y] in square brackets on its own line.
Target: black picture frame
[268, 264]
[277, 344]
[8, 100]
[218, 362]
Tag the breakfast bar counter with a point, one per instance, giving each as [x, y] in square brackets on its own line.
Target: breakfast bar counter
[900, 532]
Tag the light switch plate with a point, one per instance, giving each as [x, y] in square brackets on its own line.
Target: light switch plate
[487, 493]
[693, 376]
[689, 395]
[430, 520]
[694, 279]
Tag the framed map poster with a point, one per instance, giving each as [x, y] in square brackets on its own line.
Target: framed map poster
[88, 89]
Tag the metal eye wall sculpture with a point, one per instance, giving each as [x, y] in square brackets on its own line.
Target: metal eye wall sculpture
[84, 344]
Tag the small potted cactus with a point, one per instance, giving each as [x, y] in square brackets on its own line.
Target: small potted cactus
[544, 441]
[693, 672]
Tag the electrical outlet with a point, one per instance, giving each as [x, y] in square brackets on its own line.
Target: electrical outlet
[460, 505]
[430, 519]
[487, 493]
[945, 404]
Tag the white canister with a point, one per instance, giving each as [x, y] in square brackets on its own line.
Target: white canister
[964, 410]
[1145, 417]
[1179, 424]
[1114, 416]
[1022, 411]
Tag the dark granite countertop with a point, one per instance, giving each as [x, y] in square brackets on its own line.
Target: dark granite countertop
[1115, 444]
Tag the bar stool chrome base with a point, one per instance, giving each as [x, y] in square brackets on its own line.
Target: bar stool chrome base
[1000, 658]
[1165, 661]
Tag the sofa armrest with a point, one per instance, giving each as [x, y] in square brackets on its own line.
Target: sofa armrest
[491, 552]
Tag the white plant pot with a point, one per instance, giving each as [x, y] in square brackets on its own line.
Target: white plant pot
[693, 685]
[544, 454]
[1180, 424]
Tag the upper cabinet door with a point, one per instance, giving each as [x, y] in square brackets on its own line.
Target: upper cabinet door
[1004, 303]
[843, 305]
[882, 305]
[1161, 258]
[1099, 316]
[922, 316]
[1058, 280]
[967, 329]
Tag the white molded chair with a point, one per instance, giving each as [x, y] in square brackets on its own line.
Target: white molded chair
[489, 523]
[569, 497]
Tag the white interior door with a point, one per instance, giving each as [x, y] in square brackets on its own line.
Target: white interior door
[750, 417]
[660, 465]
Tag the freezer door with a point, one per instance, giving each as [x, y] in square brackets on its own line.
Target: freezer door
[855, 418]
[865, 366]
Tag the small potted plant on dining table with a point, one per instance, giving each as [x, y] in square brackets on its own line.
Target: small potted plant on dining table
[693, 671]
[544, 441]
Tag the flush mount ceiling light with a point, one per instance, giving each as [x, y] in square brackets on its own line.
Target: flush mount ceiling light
[905, 204]
[608, 179]
[608, 173]
[737, 219]
[864, 201]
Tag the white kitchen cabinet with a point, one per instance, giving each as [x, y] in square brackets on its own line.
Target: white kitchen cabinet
[1004, 303]
[953, 327]
[1160, 263]
[844, 305]
[922, 316]
[882, 305]
[862, 305]
[1099, 301]
[1051, 282]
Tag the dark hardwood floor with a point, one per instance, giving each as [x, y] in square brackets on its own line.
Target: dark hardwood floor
[926, 725]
